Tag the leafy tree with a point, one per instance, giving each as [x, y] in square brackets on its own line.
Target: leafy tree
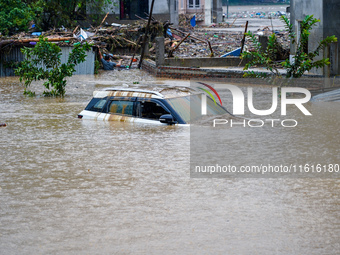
[303, 61]
[43, 63]
[65, 12]
[15, 16]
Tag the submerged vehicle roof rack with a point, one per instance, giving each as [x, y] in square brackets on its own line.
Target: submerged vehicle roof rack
[135, 90]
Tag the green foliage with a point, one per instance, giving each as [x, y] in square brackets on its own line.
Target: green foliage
[259, 57]
[29, 93]
[303, 61]
[43, 63]
[15, 16]
[96, 66]
[65, 12]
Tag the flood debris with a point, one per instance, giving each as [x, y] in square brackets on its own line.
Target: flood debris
[125, 41]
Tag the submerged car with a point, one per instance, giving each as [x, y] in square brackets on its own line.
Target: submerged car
[168, 105]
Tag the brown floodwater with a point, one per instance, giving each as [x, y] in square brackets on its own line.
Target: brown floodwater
[72, 186]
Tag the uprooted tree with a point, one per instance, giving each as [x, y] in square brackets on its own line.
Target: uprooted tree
[43, 63]
[302, 61]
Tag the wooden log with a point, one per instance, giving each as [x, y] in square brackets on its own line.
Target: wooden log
[129, 41]
[244, 37]
[211, 50]
[140, 18]
[233, 22]
[145, 36]
[57, 39]
[26, 40]
[75, 29]
[136, 48]
[172, 51]
[196, 38]
[104, 19]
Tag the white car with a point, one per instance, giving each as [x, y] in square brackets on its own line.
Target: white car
[162, 104]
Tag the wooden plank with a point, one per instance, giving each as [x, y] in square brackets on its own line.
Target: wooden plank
[244, 37]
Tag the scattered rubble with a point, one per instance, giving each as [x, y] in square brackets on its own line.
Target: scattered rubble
[118, 39]
[258, 14]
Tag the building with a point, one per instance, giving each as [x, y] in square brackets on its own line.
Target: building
[206, 11]
[327, 12]
[124, 11]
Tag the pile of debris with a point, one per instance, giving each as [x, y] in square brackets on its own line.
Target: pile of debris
[259, 14]
[127, 39]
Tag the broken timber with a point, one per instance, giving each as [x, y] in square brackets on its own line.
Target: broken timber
[171, 51]
[145, 36]
[244, 37]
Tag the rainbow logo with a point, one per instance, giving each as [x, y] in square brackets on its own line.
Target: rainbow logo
[209, 93]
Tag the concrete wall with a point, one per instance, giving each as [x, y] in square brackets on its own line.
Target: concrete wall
[299, 10]
[213, 11]
[174, 8]
[111, 8]
[188, 72]
[160, 6]
[164, 10]
[204, 62]
[327, 12]
[217, 11]
[331, 23]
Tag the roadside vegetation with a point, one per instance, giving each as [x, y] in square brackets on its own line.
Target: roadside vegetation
[20, 15]
[302, 61]
[43, 63]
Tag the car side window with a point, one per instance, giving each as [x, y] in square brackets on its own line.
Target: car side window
[96, 105]
[121, 107]
[99, 105]
[151, 110]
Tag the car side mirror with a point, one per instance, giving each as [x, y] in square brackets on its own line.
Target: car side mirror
[167, 119]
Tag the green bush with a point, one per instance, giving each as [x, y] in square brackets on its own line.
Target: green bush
[303, 61]
[15, 16]
[43, 63]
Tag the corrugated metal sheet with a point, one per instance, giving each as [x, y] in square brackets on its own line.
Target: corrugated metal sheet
[15, 55]
[87, 67]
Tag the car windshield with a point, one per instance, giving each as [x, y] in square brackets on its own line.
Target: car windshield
[189, 107]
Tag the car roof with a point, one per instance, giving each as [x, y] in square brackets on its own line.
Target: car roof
[155, 91]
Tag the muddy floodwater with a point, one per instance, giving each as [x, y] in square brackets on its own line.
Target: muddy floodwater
[72, 186]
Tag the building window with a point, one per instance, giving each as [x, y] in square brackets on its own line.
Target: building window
[194, 3]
